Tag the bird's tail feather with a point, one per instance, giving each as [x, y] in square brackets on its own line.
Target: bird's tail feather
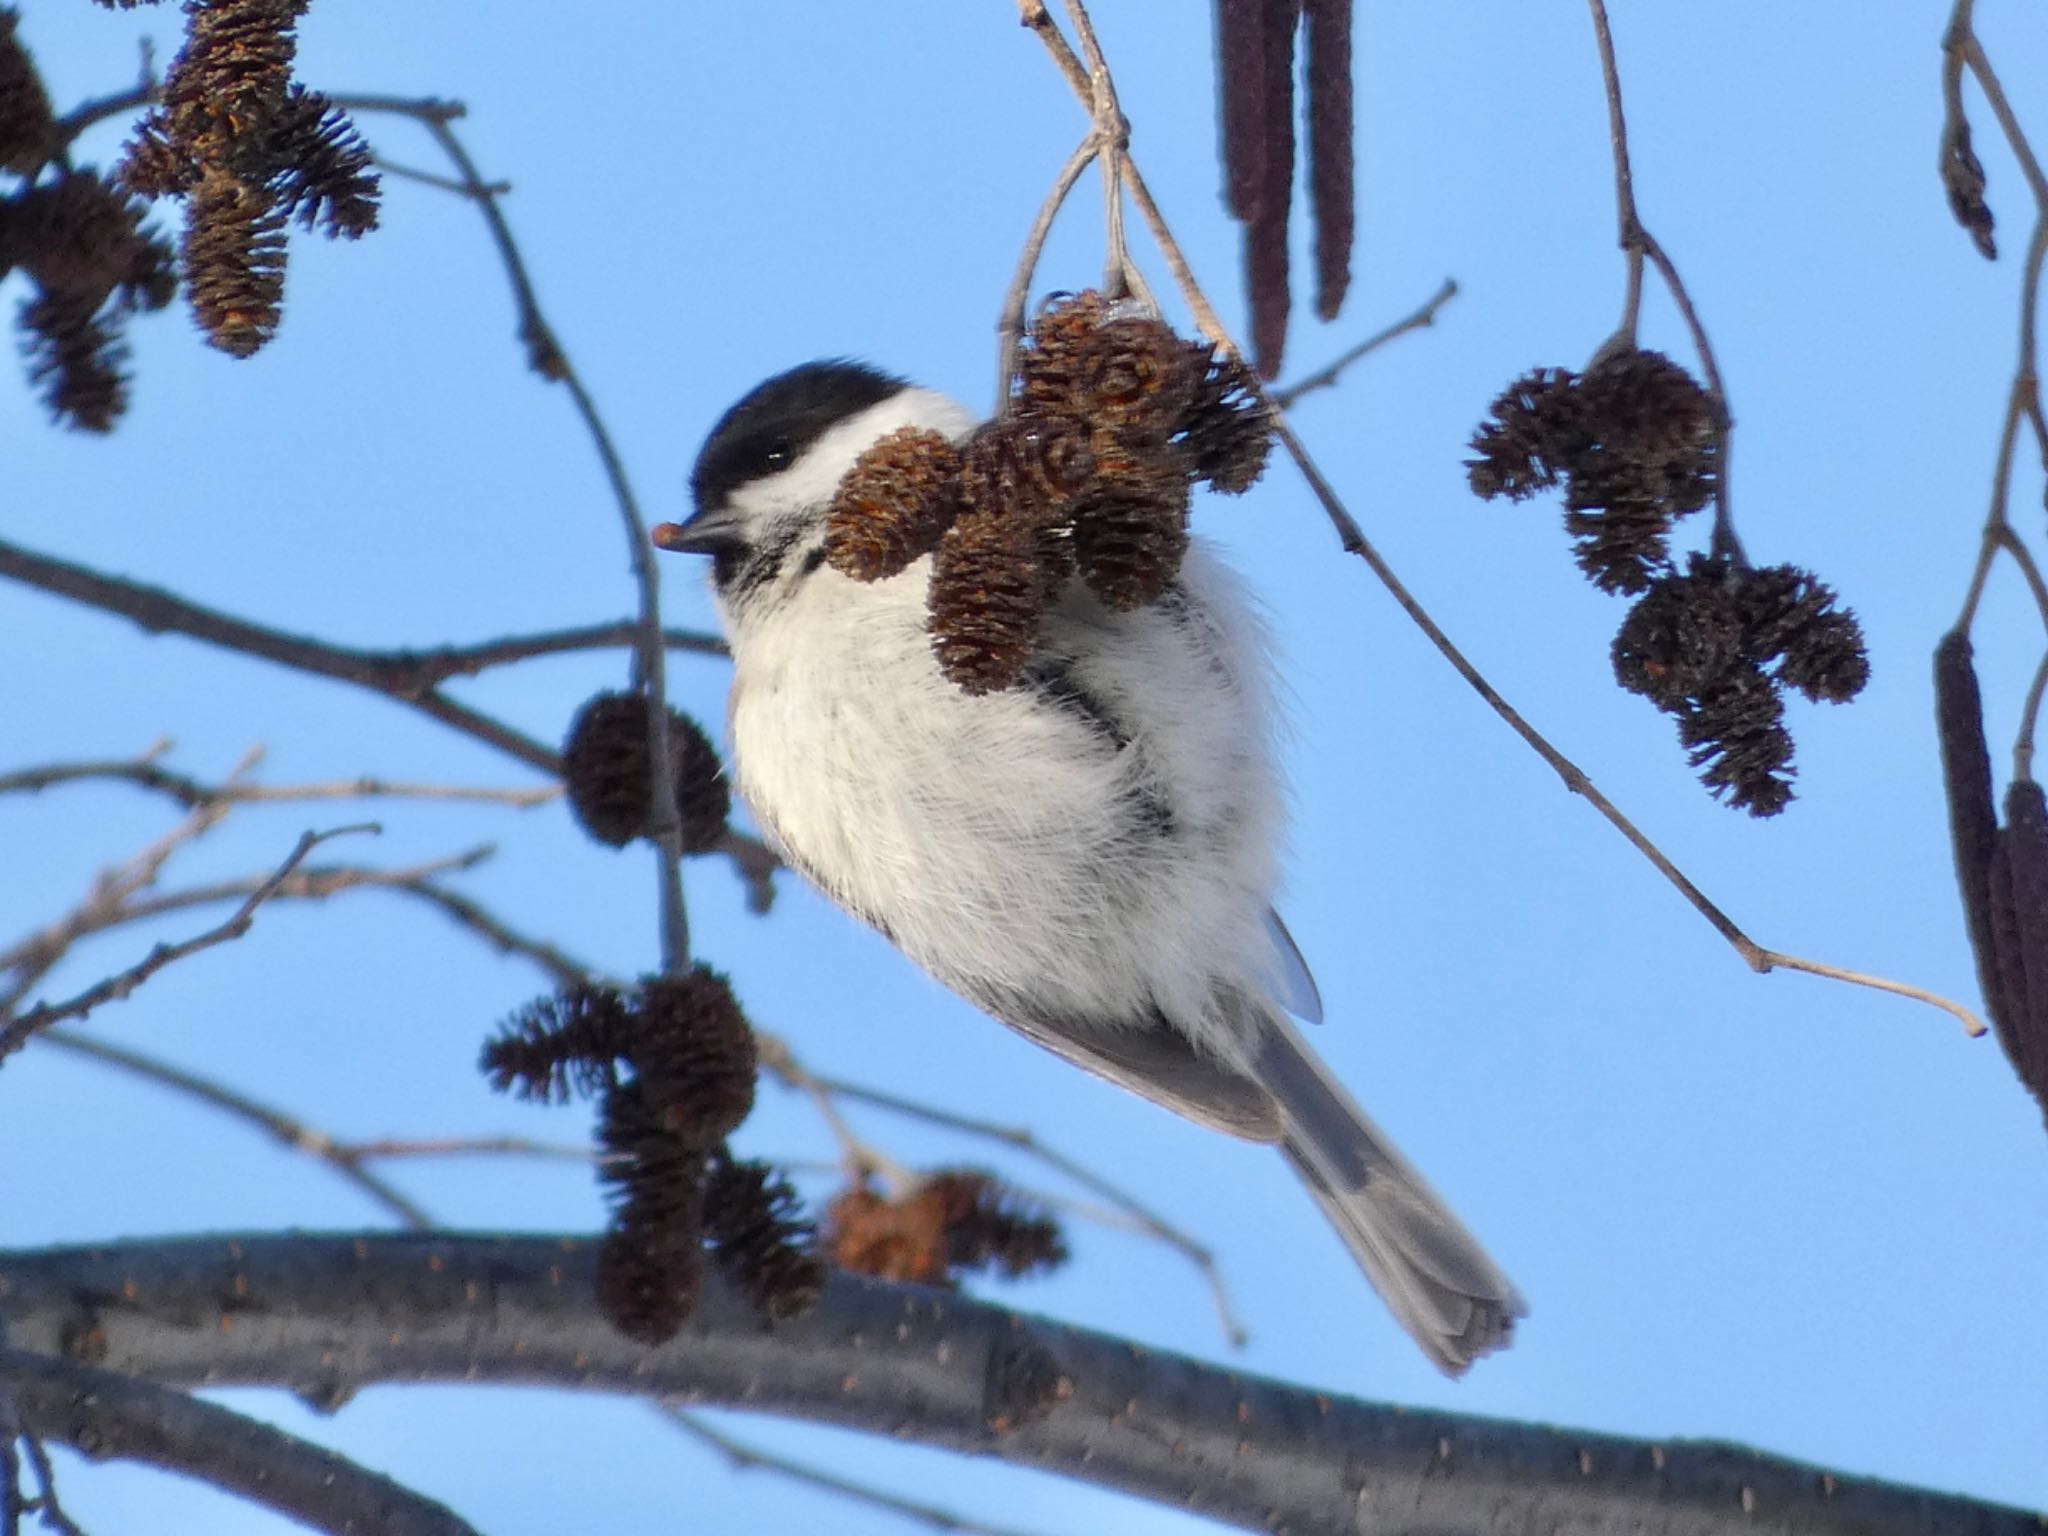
[1438, 1281]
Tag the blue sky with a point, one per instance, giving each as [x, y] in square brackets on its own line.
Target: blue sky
[1772, 1210]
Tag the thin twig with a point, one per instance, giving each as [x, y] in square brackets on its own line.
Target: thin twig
[1010, 328]
[742, 1457]
[1326, 376]
[193, 793]
[547, 358]
[19, 1030]
[1637, 244]
[1353, 538]
[47, 1507]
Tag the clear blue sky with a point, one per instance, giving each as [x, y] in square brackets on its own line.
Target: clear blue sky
[1772, 1210]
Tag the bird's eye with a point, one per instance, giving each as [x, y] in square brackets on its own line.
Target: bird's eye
[776, 455]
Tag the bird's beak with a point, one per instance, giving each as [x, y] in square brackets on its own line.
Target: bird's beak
[711, 530]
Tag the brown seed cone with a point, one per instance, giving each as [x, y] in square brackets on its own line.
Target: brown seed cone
[557, 1046]
[234, 261]
[958, 1219]
[1227, 427]
[321, 166]
[750, 1215]
[1653, 434]
[1972, 811]
[606, 772]
[989, 1226]
[2019, 901]
[894, 504]
[1531, 437]
[987, 593]
[229, 80]
[1025, 468]
[695, 1056]
[1050, 369]
[651, 1265]
[29, 135]
[76, 363]
[1131, 530]
[1136, 376]
[83, 238]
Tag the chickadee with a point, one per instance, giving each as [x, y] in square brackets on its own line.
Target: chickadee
[1088, 856]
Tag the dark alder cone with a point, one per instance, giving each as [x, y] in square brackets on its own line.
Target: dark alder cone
[749, 1214]
[1620, 539]
[1652, 430]
[1530, 437]
[154, 166]
[1789, 616]
[1135, 376]
[986, 596]
[651, 1265]
[1026, 468]
[1737, 739]
[894, 504]
[229, 81]
[1972, 812]
[607, 774]
[1227, 428]
[1681, 637]
[1051, 368]
[234, 261]
[323, 173]
[2019, 899]
[559, 1046]
[1130, 531]
[694, 1054]
[79, 236]
[990, 1227]
[605, 768]
[75, 362]
[29, 136]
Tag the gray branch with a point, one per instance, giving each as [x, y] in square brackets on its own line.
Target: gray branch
[111, 1417]
[324, 1315]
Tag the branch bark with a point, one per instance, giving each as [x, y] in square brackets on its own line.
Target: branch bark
[323, 1314]
[112, 1417]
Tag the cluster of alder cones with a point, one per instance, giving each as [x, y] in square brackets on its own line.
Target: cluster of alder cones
[1086, 475]
[1635, 443]
[672, 1066]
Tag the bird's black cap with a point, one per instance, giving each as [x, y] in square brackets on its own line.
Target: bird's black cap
[778, 420]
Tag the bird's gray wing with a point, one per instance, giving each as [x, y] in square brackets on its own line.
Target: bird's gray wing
[1155, 1061]
[1293, 987]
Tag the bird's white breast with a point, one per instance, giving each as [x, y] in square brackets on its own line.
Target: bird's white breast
[1004, 841]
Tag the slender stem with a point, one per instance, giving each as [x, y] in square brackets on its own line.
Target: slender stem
[1010, 328]
[547, 358]
[1326, 376]
[1629, 229]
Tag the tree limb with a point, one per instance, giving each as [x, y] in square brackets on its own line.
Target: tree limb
[324, 1314]
[108, 1416]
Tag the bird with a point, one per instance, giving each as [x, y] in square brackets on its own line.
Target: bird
[1088, 856]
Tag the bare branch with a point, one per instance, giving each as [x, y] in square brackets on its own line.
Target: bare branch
[113, 1417]
[18, 1030]
[1326, 376]
[546, 357]
[355, 1309]
[192, 793]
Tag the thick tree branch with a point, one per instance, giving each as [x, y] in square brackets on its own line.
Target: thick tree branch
[328, 1313]
[111, 1417]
